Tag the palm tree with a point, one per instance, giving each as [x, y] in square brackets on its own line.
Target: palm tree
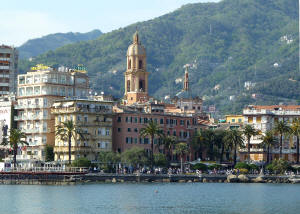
[281, 128]
[220, 143]
[16, 137]
[268, 140]
[234, 138]
[168, 143]
[198, 143]
[66, 131]
[181, 149]
[248, 132]
[152, 130]
[295, 131]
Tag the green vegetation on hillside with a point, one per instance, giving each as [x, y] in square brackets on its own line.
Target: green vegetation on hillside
[34, 47]
[226, 44]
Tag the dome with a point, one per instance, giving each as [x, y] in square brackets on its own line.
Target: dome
[136, 48]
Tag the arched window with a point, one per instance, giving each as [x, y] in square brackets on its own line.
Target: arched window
[128, 85]
[142, 85]
[129, 64]
[140, 64]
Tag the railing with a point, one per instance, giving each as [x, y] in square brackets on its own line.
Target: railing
[273, 151]
[32, 106]
[273, 112]
[65, 149]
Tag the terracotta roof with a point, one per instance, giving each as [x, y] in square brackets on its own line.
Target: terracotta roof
[272, 107]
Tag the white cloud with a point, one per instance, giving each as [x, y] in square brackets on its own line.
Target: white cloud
[18, 26]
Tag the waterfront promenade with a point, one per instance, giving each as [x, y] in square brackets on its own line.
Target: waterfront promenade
[61, 178]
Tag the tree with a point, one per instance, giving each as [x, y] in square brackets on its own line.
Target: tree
[248, 132]
[181, 149]
[49, 154]
[234, 138]
[295, 131]
[169, 142]
[268, 141]
[135, 156]
[198, 143]
[281, 128]
[220, 143]
[81, 162]
[16, 138]
[66, 131]
[152, 130]
[108, 159]
[160, 160]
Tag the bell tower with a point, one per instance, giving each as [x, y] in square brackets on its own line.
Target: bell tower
[136, 75]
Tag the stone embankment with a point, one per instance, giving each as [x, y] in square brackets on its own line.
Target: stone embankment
[80, 178]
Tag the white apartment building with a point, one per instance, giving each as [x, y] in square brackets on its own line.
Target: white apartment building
[263, 118]
[37, 91]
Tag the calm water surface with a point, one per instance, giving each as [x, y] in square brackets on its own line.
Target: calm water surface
[151, 198]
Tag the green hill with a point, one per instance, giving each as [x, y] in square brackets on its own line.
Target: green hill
[34, 47]
[226, 43]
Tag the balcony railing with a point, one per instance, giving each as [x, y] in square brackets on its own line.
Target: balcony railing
[65, 149]
[32, 106]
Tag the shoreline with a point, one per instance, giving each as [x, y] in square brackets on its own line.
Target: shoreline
[42, 178]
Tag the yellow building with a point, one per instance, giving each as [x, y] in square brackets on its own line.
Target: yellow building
[239, 119]
[93, 119]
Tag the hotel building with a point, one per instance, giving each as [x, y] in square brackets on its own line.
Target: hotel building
[8, 70]
[37, 91]
[263, 118]
[93, 119]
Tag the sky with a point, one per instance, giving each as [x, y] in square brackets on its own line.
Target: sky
[22, 20]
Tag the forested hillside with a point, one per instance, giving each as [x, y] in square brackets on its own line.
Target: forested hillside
[34, 47]
[226, 44]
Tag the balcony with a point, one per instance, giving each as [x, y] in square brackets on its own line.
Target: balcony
[65, 149]
[32, 106]
[35, 130]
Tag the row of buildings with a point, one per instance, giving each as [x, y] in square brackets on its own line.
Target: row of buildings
[46, 97]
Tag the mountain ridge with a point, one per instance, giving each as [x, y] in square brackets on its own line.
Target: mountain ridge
[226, 43]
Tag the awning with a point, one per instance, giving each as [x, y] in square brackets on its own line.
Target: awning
[68, 104]
[56, 105]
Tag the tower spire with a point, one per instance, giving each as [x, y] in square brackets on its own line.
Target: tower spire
[186, 79]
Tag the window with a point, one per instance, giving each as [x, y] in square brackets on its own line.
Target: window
[233, 120]
[85, 118]
[135, 120]
[119, 119]
[107, 132]
[119, 129]
[129, 64]
[129, 129]
[161, 121]
[174, 133]
[146, 140]
[136, 130]
[182, 122]
[78, 117]
[128, 85]
[145, 120]
[135, 140]
[126, 119]
[140, 64]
